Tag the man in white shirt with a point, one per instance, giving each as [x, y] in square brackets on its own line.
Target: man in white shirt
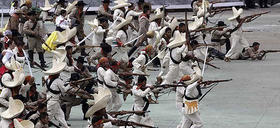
[61, 22]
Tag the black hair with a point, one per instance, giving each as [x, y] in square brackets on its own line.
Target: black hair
[68, 47]
[193, 43]
[146, 8]
[43, 115]
[62, 12]
[255, 44]
[167, 29]
[131, 5]
[103, 19]
[113, 63]
[106, 47]
[41, 106]
[141, 79]
[182, 25]
[95, 119]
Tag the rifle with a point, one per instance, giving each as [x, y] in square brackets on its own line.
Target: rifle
[126, 123]
[38, 65]
[117, 113]
[209, 82]
[207, 29]
[133, 74]
[219, 10]
[270, 51]
[79, 81]
[202, 61]
[254, 16]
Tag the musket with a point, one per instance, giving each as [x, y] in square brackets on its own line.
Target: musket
[181, 20]
[86, 46]
[209, 82]
[219, 10]
[79, 81]
[38, 65]
[207, 29]
[255, 15]
[202, 61]
[130, 73]
[117, 113]
[126, 123]
[270, 51]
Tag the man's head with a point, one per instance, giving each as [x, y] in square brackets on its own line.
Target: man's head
[149, 50]
[44, 118]
[103, 21]
[104, 62]
[131, 6]
[80, 5]
[140, 4]
[186, 78]
[106, 48]
[221, 24]
[114, 66]
[97, 121]
[106, 3]
[32, 15]
[158, 21]
[63, 13]
[182, 27]
[146, 9]
[28, 3]
[42, 108]
[142, 80]
[256, 46]
[168, 33]
[194, 44]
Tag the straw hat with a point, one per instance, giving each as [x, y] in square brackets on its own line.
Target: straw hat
[158, 15]
[123, 23]
[60, 53]
[18, 78]
[23, 124]
[58, 61]
[120, 4]
[150, 34]
[57, 67]
[196, 24]
[174, 23]
[71, 6]
[13, 64]
[47, 6]
[66, 35]
[178, 40]
[100, 101]
[93, 24]
[236, 13]
[15, 108]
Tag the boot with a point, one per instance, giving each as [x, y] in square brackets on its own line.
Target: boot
[42, 60]
[31, 59]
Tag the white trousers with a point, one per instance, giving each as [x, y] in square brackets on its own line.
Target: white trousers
[192, 121]
[115, 103]
[164, 66]
[237, 40]
[55, 111]
[172, 74]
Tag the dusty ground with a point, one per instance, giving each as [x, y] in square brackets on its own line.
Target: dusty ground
[251, 100]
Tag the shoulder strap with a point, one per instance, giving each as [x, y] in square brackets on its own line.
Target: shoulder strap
[197, 97]
[173, 60]
[34, 26]
[49, 87]
[146, 57]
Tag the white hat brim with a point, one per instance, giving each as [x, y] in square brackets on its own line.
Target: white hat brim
[178, 40]
[236, 14]
[56, 68]
[123, 23]
[17, 109]
[66, 35]
[120, 6]
[23, 124]
[18, 78]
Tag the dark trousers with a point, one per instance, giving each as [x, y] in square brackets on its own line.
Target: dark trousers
[263, 3]
[216, 53]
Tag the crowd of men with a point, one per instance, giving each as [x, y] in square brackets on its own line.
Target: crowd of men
[125, 41]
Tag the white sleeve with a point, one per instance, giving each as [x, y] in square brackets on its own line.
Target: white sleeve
[139, 92]
[62, 88]
[108, 79]
[138, 61]
[100, 30]
[191, 87]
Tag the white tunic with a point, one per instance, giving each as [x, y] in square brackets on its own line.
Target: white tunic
[100, 75]
[62, 22]
[121, 54]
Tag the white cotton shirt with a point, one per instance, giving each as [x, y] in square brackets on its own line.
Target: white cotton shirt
[98, 36]
[60, 21]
